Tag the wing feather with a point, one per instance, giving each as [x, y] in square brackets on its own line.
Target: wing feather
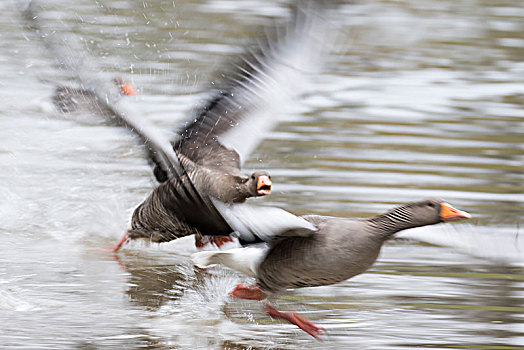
[66, 52]
[256, 92]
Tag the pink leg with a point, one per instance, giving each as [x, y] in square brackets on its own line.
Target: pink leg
[303, 323]
[216, 240]
[248, 292]
[117, 246]
[219, 241]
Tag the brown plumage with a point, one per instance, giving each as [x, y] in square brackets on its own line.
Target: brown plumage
[345, 247]
[159, 219]
[211, 147]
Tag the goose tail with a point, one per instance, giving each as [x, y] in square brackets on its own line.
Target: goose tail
[245, 260]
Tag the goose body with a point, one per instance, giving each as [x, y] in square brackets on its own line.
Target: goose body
[213, 145]
[159, 219]
[339, 249]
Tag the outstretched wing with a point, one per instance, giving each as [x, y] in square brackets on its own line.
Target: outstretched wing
[104, 97]
[255, 93]
[196, 210]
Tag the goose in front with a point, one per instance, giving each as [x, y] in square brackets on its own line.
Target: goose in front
[337, 250]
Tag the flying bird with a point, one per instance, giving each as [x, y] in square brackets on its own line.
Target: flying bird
[247, 103]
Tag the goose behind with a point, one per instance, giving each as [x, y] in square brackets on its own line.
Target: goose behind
[251, 98]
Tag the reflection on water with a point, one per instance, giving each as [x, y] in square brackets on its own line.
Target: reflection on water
[425, 101]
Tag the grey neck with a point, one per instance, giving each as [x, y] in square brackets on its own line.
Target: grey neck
[243, 193]
[394, 221]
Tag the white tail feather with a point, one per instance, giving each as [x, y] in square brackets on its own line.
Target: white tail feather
[205, 259]
[245, 260]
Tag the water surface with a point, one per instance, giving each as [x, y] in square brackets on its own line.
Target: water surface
[425, 101]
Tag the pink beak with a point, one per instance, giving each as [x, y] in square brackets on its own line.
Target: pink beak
[263, 185]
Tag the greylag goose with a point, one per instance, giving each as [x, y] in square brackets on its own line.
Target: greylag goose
[339, 249]
[248, 102]
[67, 98]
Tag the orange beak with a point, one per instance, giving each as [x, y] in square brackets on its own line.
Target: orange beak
[448, 213]
[263, 185]
[128, 89]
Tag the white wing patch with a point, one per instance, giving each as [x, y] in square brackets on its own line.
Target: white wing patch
[278, 78]
[245, 260]
[265, 223]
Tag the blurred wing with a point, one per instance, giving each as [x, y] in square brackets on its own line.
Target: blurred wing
[68, 55]
[257, 91]
[255, 224]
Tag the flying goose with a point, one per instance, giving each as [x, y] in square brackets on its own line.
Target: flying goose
[337, 250]
[207, 153]
[246, 104]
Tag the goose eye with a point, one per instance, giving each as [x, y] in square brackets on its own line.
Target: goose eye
[253, 177]
[431, 205]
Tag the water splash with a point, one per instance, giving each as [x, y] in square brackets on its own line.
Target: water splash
[502, 244]
[200, 310]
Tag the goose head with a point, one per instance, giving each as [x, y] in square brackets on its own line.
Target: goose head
[416, 214]
[429, 212]
[126, 88]
[259, 184]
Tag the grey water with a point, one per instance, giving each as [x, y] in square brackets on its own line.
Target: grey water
[426, 100]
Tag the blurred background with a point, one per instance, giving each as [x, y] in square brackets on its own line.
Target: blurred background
[425, 100]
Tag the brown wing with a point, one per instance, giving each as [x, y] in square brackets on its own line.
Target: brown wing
[254, 94]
